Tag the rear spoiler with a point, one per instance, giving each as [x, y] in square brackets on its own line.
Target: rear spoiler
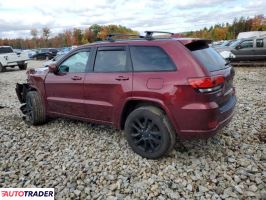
[195, 44]
[187, 41]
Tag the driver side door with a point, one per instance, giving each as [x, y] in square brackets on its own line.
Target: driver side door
[244, 51]
[64, 89]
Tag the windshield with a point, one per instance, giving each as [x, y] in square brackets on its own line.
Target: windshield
[5, 50]
[235, 43]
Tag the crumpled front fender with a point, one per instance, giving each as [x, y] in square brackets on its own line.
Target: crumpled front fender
[22, 90]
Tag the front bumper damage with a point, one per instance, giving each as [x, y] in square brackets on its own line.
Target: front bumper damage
[22, 90]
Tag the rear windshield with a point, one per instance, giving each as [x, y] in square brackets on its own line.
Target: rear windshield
[208, 57]
[6, 50]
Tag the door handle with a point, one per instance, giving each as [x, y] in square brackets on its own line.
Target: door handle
[76, 78]
[122, 78]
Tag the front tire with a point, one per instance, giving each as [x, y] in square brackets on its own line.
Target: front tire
[23, 66]
[149, 132]
[35, 111]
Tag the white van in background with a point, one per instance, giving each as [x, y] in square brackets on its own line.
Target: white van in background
[251, 34]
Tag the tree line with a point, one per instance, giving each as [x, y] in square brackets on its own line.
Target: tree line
[230, 31]
[43, 38]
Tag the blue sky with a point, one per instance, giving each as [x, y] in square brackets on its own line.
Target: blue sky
[18, 17]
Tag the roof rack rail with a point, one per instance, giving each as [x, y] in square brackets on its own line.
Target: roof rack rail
[149, 34]
[111, 39]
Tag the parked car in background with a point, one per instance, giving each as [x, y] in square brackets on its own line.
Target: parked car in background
[30, 52]
[53, 60]
[225, 43]
[249, 49]
[63, 51]
[141, 86]
[216, 43]
[17, 51]
[9, 58]
[45, 54]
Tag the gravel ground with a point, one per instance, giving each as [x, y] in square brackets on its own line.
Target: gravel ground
[86, 161]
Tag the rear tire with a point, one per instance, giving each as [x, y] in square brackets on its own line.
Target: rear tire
[149, 132]
[2, 68]
[35, 114]
[23, 66]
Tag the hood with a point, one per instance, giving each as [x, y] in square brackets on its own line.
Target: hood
[37, 76]
[38, 71]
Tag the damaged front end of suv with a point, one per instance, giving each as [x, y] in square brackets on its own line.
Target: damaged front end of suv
[22, 90]
[35, 83]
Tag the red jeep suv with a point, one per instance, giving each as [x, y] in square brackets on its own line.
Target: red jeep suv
[155, 89]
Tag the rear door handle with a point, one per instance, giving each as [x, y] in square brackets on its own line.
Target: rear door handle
[122, 78]
[76, 78]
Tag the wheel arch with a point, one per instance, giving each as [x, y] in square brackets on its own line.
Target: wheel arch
[23, 89]
[132, 104]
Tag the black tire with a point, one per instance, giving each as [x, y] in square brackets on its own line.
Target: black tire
[2, 68]
[149, 132]
[35, 114]
[23, 66]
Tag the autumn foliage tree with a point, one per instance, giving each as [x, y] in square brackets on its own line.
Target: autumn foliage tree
[230, 31]
[96, 32]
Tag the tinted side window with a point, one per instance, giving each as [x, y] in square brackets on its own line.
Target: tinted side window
[111, 61]
[76, 63]
[259, 43]
[150, 58]
[5, 50]
[246, 44]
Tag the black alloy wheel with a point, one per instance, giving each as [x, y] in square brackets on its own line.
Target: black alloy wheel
[149, 132]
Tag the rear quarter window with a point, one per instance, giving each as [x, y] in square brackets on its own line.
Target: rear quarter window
[150, 58]
[207, 56]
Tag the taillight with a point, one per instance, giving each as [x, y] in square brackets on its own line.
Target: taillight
[207, 84]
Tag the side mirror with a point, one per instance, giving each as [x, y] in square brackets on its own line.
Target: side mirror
[52, 68]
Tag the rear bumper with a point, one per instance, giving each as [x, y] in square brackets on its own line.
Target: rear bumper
[211, 120]
[204, 134]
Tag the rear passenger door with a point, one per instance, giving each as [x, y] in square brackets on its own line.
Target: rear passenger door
[108, 84]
